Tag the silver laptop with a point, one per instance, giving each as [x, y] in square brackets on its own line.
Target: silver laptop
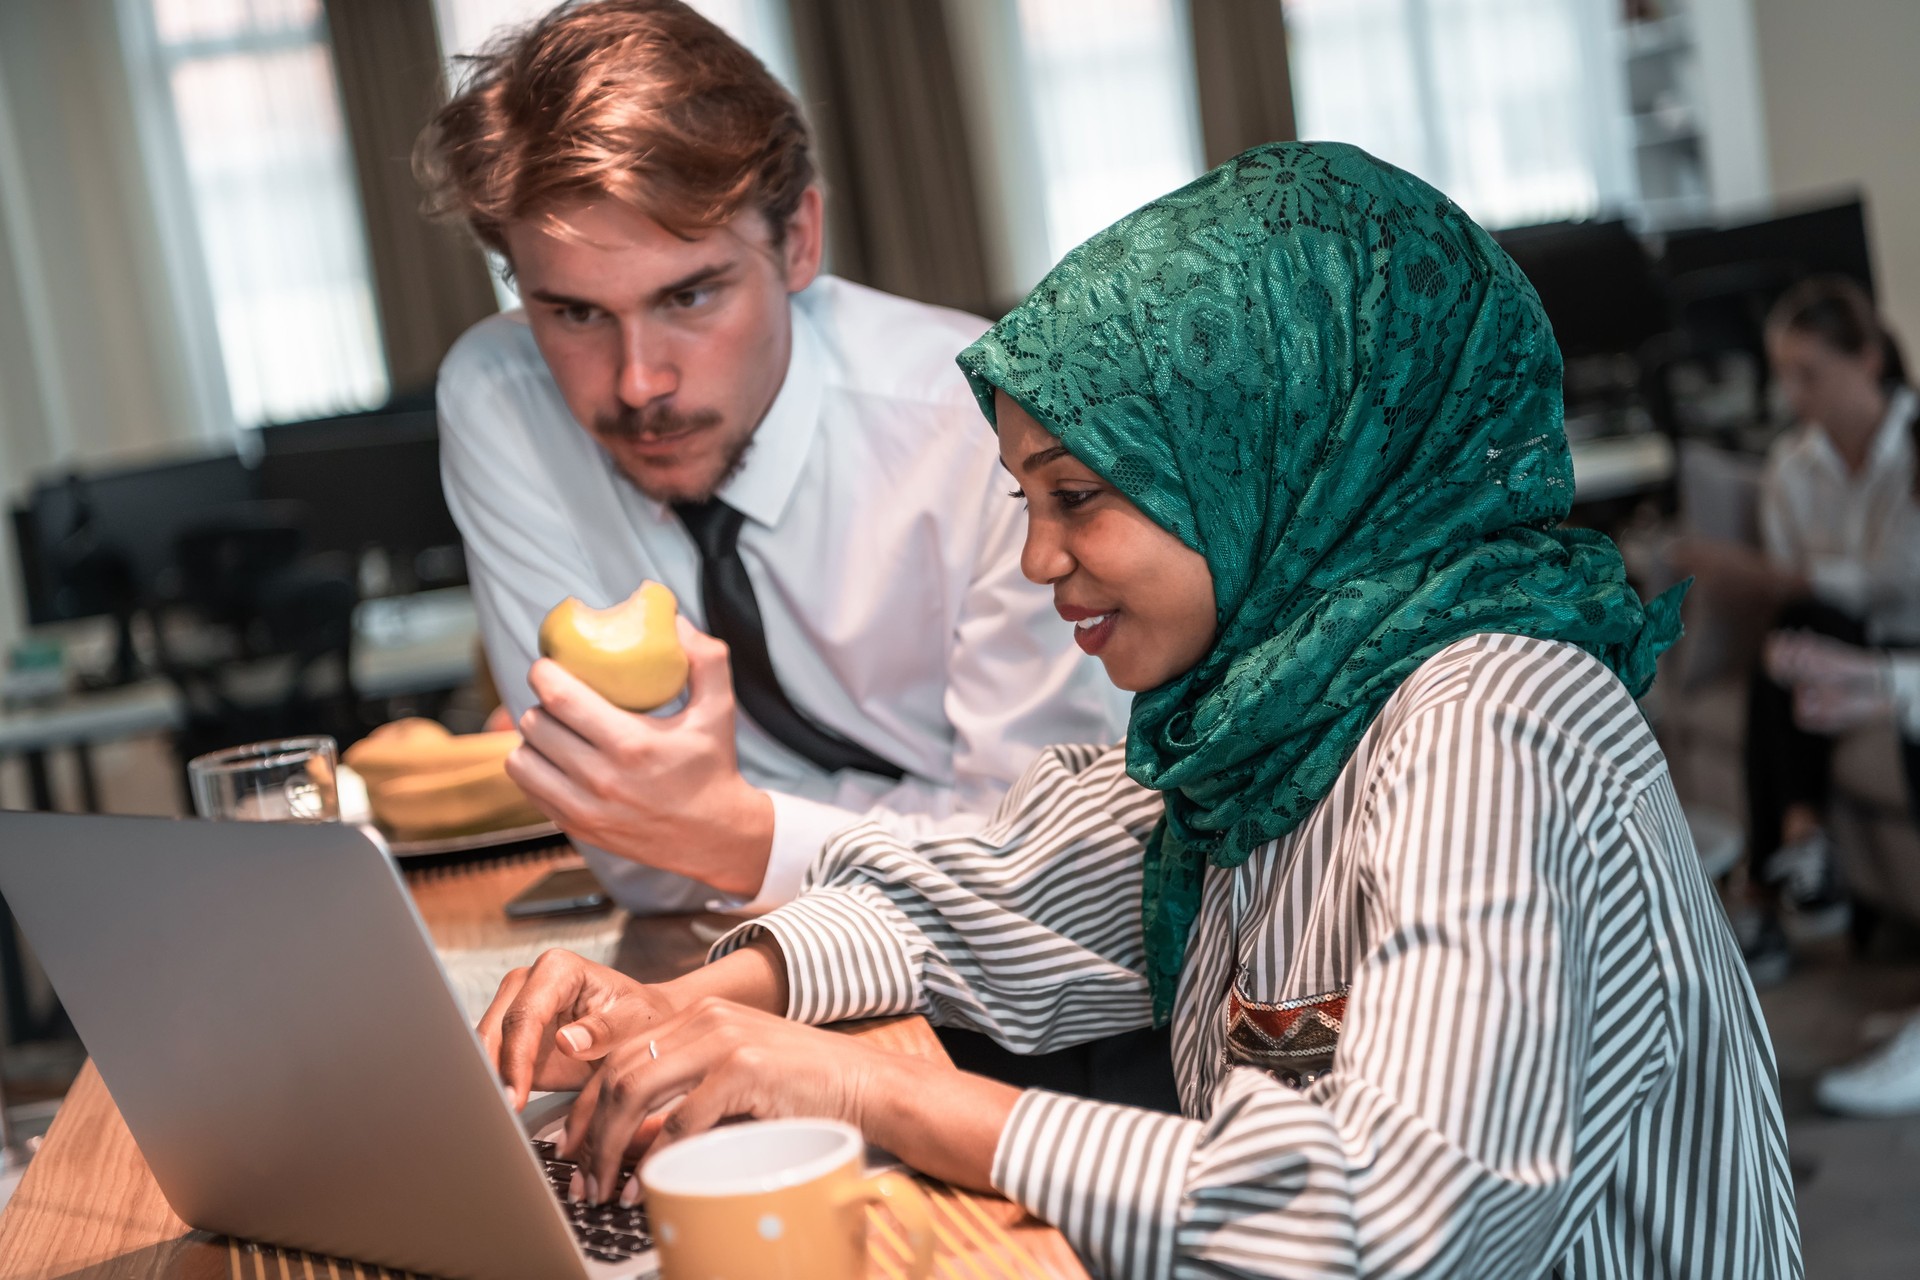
[265, 1005]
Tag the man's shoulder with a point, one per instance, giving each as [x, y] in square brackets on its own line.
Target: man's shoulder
[495, 385]
[889, 347]
[499, 346]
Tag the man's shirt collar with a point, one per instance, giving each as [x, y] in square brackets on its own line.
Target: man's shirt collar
[764, 485]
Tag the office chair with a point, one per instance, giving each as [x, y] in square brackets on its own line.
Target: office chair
[272, 633]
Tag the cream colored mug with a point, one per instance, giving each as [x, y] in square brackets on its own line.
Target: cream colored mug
[775, 1200]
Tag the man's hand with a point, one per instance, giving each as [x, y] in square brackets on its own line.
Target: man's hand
[548, 1023]
[664, 791]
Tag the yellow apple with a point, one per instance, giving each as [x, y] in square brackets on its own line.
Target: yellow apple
[629, 654]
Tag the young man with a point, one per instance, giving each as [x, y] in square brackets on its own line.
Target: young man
[686, 399]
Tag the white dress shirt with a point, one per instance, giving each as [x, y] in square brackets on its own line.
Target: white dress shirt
[883, 549]
[1856, 538]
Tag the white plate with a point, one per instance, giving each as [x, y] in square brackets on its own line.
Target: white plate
[354, 808]
[472, 841]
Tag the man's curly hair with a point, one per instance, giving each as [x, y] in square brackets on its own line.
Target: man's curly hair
[644, 101]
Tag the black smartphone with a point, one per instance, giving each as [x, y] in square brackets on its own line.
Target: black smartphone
[566, 892]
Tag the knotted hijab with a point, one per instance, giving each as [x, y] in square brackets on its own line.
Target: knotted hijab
[1317, 372]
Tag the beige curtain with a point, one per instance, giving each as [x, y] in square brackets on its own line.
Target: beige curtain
[884, 99]
[430, 281]
[1240, 56]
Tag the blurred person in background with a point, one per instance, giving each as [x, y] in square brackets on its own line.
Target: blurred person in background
[1840, 530]
[685, 398]
[1837, 689]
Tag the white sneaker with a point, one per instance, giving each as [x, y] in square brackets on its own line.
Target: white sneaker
[1884, 1083]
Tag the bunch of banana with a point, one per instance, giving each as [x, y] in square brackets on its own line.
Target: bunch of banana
[424, 783]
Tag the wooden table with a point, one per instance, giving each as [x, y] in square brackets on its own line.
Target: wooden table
[89, 1209]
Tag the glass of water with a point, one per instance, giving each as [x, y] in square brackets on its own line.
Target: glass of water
[291, 780]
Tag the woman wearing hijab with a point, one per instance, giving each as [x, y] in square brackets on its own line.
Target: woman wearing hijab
[1388, 842]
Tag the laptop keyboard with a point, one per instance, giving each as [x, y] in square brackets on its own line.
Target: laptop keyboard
[609, 1232]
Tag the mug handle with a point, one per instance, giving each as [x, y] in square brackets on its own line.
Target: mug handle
[909, 1205]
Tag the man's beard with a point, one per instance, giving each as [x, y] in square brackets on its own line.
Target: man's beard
[628, 425]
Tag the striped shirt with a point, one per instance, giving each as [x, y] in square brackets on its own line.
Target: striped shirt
[1480, 1015]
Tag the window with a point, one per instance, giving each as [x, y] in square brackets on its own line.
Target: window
[1080, 110]
[1111, 88]
[466, 25]
[262, 146]
[1489, 100]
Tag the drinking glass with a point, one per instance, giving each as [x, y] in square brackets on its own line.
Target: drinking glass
[290, 780]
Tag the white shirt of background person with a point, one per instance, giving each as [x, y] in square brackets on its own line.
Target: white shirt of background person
[880, 539]
[1855, 536]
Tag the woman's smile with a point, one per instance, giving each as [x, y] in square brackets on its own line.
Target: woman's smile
[1091, 630]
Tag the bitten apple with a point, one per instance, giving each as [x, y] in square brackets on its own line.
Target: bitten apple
[629, 654]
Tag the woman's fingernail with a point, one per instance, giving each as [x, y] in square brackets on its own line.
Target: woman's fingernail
[630, 1194]
[575, 1039]
[575, 1188]
[593, 1189]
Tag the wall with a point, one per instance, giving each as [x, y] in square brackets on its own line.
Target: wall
[1731, 104]
[1841, 84]
[92, 360]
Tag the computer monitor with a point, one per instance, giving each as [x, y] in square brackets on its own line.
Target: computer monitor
[93, 544]
[1828, 240]
[349, 430]
[1596, 282]
[368, 481]
[35, 589]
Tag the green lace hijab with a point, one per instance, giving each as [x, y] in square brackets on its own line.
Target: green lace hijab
[1321, 375]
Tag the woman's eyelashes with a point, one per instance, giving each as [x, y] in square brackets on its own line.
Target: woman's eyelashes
[1067, 498]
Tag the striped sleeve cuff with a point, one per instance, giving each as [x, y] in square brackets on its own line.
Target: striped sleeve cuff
[845, 958]
[1111, 1178]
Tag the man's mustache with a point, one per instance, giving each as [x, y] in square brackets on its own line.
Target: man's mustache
[628, 424]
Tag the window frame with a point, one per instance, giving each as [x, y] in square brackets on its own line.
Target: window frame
[163, 163]
[149, 63]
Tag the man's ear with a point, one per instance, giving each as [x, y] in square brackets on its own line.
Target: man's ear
[805, 240]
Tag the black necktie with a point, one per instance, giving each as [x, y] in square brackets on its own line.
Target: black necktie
[734, 616]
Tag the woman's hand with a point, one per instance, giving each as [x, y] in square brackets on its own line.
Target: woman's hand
[714, 1060]
[545, 1017]
[711, 1061]
[549, 1023]
[1837, 687]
